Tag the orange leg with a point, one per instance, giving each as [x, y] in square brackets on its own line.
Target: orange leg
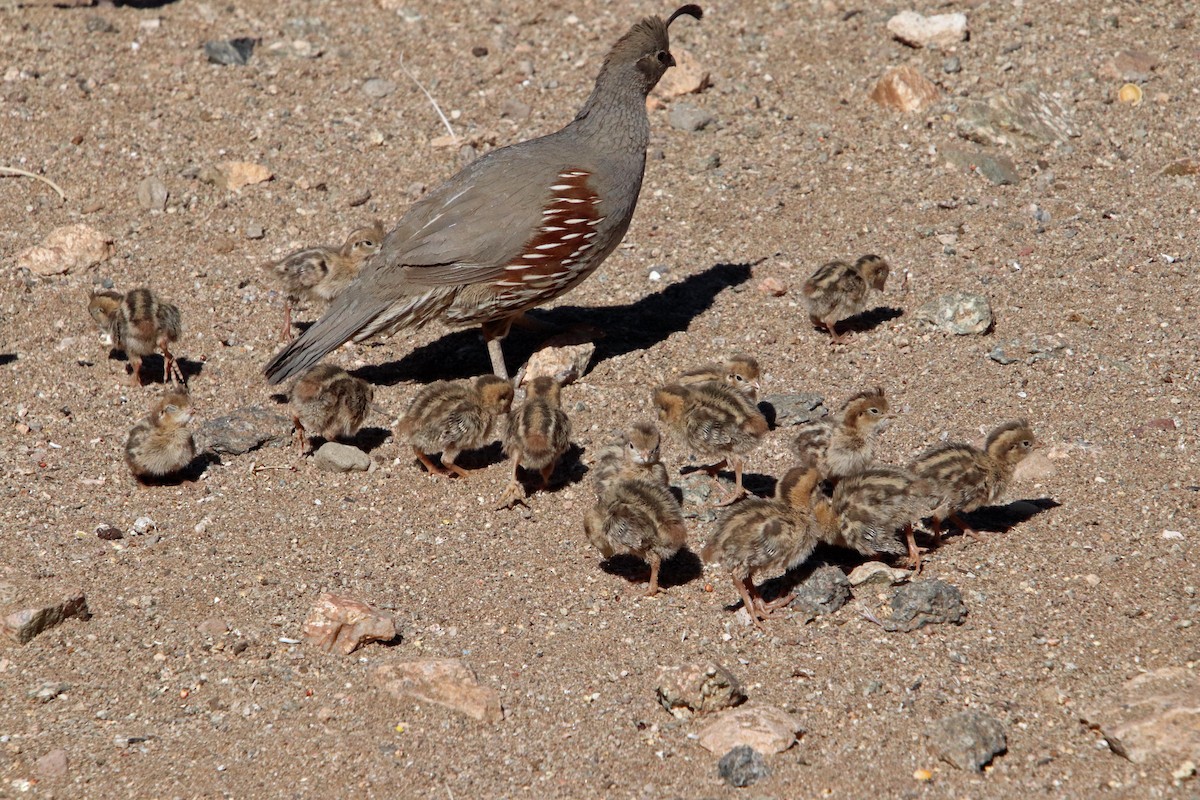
[286, 334]
[914, 552]
[738, 491]
[831, 326]
[449, 456]
[547, 471]
[747, 601]
[170, 366]
[965, 528]
[514, 493]
[655, 562]
[778, 603]
[936, 524]
[298, 426]
[428, 462]
[135, 376]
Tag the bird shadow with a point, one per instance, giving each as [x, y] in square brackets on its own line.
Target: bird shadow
[630, 327]
[7, 358]
[681, 568]
[869, 320]
[190, 474]
[369, 439]
[1002, 519]
[756, 483]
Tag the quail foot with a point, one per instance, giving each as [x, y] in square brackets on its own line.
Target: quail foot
[514, 229]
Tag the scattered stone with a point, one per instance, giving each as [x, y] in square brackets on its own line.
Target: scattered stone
[928, 602]
[689, 118]
[1167, 424]
[143, 525]
[764, 728]
[952, 65]
[343, 623]
[1034, 468]
[446, 682]
[876, 573]
[1185, 166]
[823, 592]
[49, 690]
[479, 51]
[52, 765]
[98, 24]
[255, 231]
[356, 198]
[939, 30]
[772, 286]
[152, 194]
[235, 175]
[686, 77]
[26, 623]
[794, 409]
[743, 766]
[904, 89]
[109, 533]
[693, 689]
[969, 740]
[378, 88]
[1025, 116]
[1130, 94]
[565, 358]
[959, 313]
[242, 430]
[706, 163]
[231, 52]
[999, 169]
[1155, 714]
[67, 248]
[338, 457]
[1028, 349]
[1131, 65]
[214, 626]
[515, 110]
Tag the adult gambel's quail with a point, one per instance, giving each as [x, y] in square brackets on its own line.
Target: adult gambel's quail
[516, 228]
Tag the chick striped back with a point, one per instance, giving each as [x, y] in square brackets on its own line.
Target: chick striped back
[873, 506]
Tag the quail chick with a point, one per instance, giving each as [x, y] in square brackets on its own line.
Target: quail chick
[963, 478]
[635, 457]
[142, 324]
[102, 306]
[639, 517]
[839, 290]
[868, 510]
[160, 445]
[322, 272]
[766, 536]
[739, 371]
[329, 402]
[715, 421]
[536, 435]
[844, 444]
[449, 417]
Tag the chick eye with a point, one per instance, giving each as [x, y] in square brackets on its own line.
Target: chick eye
[873, 411]
[664, 57]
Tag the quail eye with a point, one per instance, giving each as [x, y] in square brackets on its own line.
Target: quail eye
[873, 411]
[664, 57]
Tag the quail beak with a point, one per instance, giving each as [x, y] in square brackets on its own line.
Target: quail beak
[640, 457]
[670, 60]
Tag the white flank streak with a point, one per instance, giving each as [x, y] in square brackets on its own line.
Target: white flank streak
[570, 200]
[549, 246]
[517, 266]
[569, 236]
[575, 221]
[597, 221]
[534, 256]
[549, 212]
[551, 229]
[558, 187]
[589, 235]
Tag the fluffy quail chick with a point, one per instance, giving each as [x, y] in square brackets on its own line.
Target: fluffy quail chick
[766, 536]
[839, 290]
[322, 272]
[329, 402]
[844, 444]
[868, 510]
[102, 306]
[536, 435]
[638, 517]
[963, 478]
[142, 324]
[635, 457]
[450, 417]
[160, 446]
[715, 421]
[739, 371]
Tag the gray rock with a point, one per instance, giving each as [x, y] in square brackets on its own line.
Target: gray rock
[515, 110]
[968, 740]
[959, 313]
[245, 429]
[795, 409]
[231, 53]
[338, 457]
[1022, 117]
[26, 623]
[152, 194]
[1029, 349]
[743, 766]
[255, 231]
[689, 117]
[706, 163]
[98, 24]
[378, 87]
[952, 65]
[824, 592]
[357, 197]
[999, 169]
[929, 602]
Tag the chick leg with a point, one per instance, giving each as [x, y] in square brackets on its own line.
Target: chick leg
[547, 472]
[936, 524]
[655, 563]
[449, 455]
[747, 601]
[738, 491]
[831, 326]
[170, 366]
[914, 552]
[135, 376]
[965, 528]
[298, 427]
[285, 335]
[514, 493]
[433, 468]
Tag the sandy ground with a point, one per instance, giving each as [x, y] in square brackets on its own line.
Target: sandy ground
[1064, 605]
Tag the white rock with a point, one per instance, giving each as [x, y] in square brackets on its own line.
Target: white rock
[917, 30]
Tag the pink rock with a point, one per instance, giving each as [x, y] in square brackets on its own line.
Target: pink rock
[70, 247]
[904, 89]
[1034, 468]
[1154, 714]
[26, 623]
[697, 689]
[772, 286]
[343, 623]
[51, 765]
[564, 358]
[687, 76]
[764, 728]
[939, 30]
[445, 682]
